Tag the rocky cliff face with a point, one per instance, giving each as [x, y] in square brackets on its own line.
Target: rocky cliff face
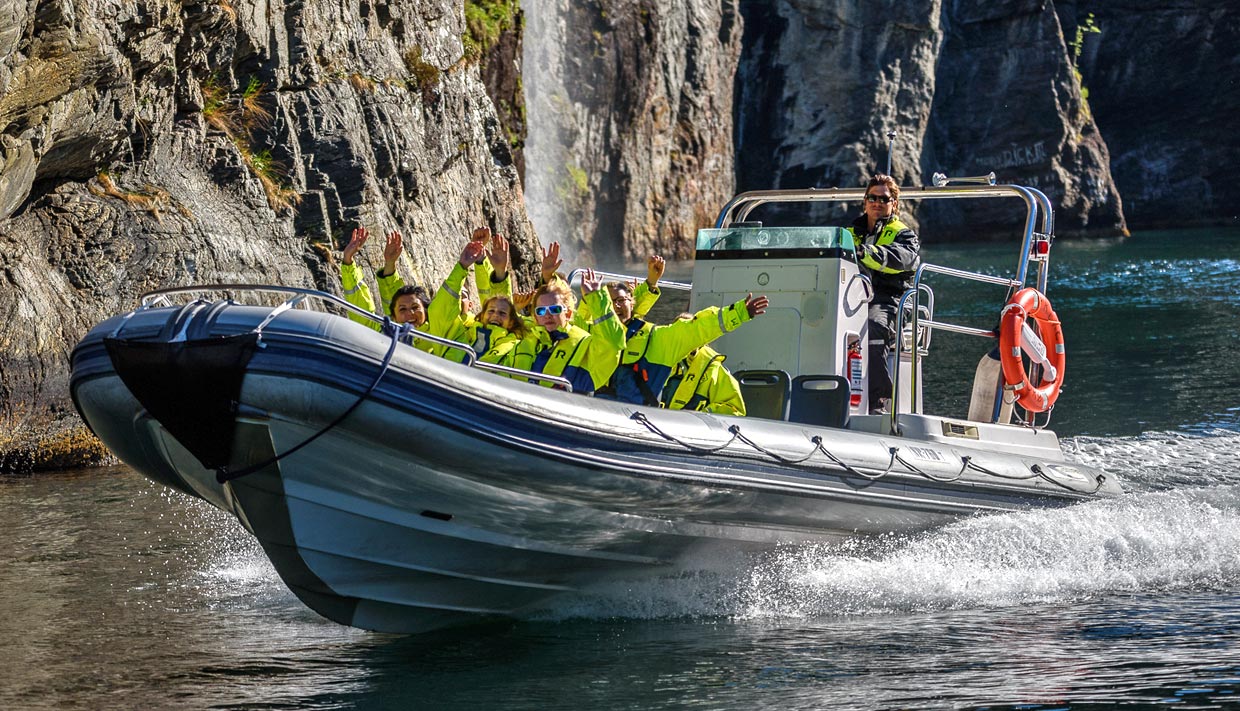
[1164, 87]
[497, 32]
[148, 144]
[969, 87]
[630, 113]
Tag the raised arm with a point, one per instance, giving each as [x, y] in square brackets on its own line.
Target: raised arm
[679, 338]
[492, 277]
[356, 242]
[655, 267]
[551, 262]
[391, 253]
[389, 281]
[351, 282]
[606, 339]
[444, 313]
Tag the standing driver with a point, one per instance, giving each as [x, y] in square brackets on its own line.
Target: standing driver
[887, 251]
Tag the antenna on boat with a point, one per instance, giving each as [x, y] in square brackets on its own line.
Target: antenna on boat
[891, 141]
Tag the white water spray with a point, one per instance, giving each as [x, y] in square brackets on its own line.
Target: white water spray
[1157, 539]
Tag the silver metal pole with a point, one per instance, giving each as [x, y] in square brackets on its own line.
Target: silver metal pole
[891, 141]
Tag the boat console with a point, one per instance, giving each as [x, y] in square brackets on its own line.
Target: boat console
[807, 354]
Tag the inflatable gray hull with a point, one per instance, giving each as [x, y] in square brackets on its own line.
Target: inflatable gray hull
[401, 492]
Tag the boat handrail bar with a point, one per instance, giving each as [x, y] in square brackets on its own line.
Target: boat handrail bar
[956, 328]
[739, 207]
[148, 299]
[918, 322]
[576, 274]
[963, 274]
[508, 370]
[299, 296]
[1037, 206]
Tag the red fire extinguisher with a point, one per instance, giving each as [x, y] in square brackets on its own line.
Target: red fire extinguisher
[854, 372]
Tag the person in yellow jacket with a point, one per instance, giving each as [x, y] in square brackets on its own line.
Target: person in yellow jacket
[496, 330]
[557, 347]
[403, 304]
[491, 277]
[651, 351]
[700, 382]
[888, 252]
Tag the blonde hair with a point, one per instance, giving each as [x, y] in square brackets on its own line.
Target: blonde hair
[514, 324]
[557, 288]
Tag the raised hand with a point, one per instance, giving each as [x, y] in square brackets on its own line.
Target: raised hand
[522, 299]
[391, 252]
[551, 262]
[756, 306]
[355, 244]
[655, 267]
[481, 234]
[499, 257]
[590, 281]
[473, 251]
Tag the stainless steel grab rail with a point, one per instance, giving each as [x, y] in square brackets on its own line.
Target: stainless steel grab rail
[1039, 224]
[917, 322]
[302, 295]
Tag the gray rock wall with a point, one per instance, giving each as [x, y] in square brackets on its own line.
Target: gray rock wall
[112, 181]
[969, 86]
[1164, 86]
[630, 149]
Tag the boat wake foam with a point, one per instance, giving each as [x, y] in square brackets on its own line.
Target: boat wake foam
[1150, 542]
[1156, 461]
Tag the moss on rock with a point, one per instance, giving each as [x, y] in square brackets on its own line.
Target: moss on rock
[29, 444]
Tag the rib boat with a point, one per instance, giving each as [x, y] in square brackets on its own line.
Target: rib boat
[398, 491]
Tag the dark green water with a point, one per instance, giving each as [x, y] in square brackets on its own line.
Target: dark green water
[119, 594]
[1151, 323]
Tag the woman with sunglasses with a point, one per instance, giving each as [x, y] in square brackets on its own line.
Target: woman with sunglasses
[888, 251]
[497, 329]
[557, 347]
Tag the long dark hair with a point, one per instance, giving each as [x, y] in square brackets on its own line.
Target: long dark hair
[419, 292]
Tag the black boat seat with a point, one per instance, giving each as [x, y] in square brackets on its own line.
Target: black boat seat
[766, 393]
[820, 400]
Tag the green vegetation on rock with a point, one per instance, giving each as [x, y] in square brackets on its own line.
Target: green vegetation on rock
[485, 21]
[1084, 28]
[237, 117]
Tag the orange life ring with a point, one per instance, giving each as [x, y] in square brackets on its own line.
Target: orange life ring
[1031, 303]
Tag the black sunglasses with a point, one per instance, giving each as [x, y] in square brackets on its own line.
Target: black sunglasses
[884, 199]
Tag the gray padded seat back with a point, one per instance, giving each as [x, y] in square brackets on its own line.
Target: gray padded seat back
[820, 400]
[766, 393]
